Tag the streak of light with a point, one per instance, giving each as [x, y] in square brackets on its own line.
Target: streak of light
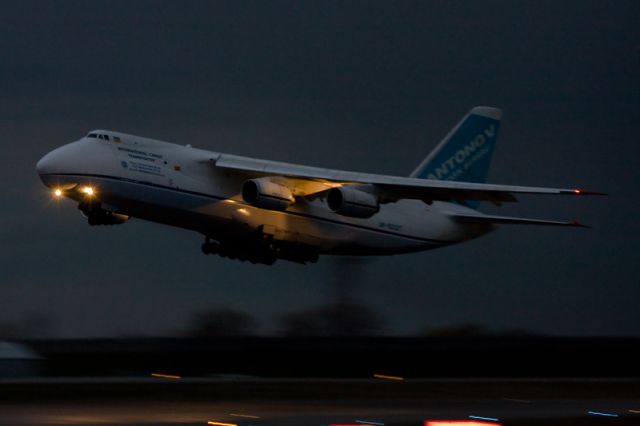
[246, 416]
[385, 377]
[221, 424]
[634, 411]
[365, 422]
[457, 423]
[490, 419]
[597, 413]
[165, 376]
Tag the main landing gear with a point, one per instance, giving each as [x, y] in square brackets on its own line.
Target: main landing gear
[264, 251]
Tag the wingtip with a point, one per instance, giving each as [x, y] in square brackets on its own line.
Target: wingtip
[578, 224]
[578, 191]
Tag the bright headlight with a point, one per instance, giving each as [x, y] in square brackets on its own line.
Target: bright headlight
[87, 190]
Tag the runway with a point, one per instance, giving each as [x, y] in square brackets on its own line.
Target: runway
[245, 402]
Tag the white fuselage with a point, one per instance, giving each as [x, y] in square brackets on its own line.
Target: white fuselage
[180, 186]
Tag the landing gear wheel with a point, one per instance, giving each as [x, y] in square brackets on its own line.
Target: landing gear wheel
[209, 247]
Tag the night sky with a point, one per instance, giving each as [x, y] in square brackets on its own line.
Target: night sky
[367, 86]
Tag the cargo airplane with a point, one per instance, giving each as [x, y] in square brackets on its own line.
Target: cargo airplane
[260, 211]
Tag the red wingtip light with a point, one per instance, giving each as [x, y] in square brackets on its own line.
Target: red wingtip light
[577, 191]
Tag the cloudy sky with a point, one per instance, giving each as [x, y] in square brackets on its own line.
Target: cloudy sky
[369, 86]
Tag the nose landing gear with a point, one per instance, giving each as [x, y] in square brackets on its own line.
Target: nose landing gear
[96, 215]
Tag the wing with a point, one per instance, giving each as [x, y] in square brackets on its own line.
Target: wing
[483, 218]
[312, 181]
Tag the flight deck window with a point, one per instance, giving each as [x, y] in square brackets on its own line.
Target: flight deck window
[106, 137]
[100, 137]
[92, 135]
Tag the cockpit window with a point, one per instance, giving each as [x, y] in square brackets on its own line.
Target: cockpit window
[98, 136]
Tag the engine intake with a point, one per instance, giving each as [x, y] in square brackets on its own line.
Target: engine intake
[352, 202]
[265, 194]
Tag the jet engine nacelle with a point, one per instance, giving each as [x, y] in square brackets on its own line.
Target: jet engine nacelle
[349, 201]
[266, 194]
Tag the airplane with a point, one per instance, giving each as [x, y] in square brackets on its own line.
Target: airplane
[261, 211]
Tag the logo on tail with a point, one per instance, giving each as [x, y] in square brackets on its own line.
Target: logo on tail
[465, 153]
[465, 157]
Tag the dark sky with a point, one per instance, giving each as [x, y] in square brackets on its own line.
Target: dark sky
[369, 86]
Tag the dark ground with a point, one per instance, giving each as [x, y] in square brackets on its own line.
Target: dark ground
[317, 402]
[348, 357]
[328, 381]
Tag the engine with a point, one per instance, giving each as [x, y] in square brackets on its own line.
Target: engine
[349, 201]
[265, 194]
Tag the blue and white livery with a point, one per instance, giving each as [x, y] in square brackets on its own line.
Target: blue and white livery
[260, 211]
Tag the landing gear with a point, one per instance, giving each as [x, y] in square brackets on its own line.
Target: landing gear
[263, 250]
[209, 247]
[96, 215]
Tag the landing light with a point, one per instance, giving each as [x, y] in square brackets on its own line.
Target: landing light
[87, 190]
[57, 192]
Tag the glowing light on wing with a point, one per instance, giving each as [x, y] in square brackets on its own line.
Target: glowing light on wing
[57, 192]
[221, 424]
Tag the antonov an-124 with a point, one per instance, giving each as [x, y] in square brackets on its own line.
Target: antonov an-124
[260, 211]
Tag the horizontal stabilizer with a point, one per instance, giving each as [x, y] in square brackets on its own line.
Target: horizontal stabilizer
[482, 218]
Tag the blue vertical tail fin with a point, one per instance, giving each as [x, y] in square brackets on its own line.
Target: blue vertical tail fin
[465, 153]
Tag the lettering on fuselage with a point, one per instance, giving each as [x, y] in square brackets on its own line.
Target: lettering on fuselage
[137, 153]
[141, 161]
[465, 157]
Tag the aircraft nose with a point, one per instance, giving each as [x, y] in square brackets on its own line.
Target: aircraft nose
[52, 164]
[46, 165]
